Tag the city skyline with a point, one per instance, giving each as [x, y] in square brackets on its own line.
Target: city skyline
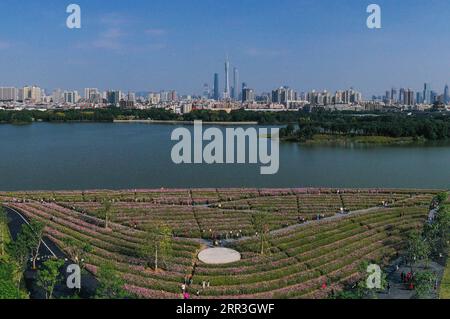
[184, 44]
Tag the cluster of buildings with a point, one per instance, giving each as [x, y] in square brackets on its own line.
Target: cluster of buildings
[408, 97]
[231, 95]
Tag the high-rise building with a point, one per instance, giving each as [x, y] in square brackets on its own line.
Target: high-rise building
[393, 95]
[8, 94]
[131, 97]
[401, 95]
[206, 91]
[70, 97]
[433, 96]
[284, 95]
[154, 98]
[113, 97]
[92, 95]
[57, 96]
[31, 93]
[408, 97]
[226, 93]
[235, 91]
[418, 97]
[426, 93]
[446, 95]
[216, 87]
[248, 95]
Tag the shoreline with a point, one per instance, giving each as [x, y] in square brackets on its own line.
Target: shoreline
[175, 122]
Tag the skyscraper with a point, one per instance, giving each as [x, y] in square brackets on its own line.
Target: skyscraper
[446, 95]
[216, 87]
[426, 93]
[226, 93]
[235, 93]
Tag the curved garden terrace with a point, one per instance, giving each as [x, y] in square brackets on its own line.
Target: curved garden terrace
[293, 243]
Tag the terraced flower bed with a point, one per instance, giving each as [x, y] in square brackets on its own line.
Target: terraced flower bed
[304, 253]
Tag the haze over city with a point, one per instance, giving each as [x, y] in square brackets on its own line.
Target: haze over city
[180, 45]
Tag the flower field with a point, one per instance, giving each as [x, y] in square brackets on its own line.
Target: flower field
[304, 253]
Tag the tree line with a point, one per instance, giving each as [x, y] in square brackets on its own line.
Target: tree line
[430, 126]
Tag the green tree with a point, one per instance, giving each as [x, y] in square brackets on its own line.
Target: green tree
[49, 276]
[111, 284]
[8, 281]
[32, 235]
[19, 252]
[105, 211]
[3, 231]
[261, 224]
[156, 245]
[424, 284]
[418, 249]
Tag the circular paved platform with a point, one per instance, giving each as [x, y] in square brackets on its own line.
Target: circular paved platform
[217, 256]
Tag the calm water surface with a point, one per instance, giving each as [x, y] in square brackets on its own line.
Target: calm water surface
[123, 156]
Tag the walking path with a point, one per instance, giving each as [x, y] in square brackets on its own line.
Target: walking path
[400, 290]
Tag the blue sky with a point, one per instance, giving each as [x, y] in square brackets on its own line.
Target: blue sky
[146, 45]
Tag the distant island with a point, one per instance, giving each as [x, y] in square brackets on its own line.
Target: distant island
[319, 128]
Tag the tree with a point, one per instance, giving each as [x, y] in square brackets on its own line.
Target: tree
[418, 249]
[32, 235]
[424, 284]
[8, 281]
[156, 245]
[111, 284]
[261, 224]
[3, 231]
[18, 250]
[437, 232]
[105, 211]
[49, 276]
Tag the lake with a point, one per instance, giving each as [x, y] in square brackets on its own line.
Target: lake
[45, 156]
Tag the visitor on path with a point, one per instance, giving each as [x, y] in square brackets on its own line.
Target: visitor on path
[207, 284]
[204, 285]
[389, 288]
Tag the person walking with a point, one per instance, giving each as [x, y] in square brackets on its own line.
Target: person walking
[389, 288]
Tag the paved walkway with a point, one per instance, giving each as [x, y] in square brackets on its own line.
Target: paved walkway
[400, 290]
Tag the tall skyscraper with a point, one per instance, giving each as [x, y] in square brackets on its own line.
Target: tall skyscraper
[226, 93]
[236, 90]
[426, 93]
[393, 95]
[216, 87]
[446, 95]
[408, 97]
